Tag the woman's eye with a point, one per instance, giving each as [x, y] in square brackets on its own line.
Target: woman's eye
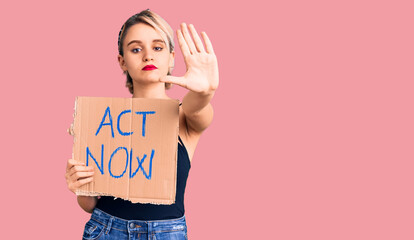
[160, 48]
[135, 50]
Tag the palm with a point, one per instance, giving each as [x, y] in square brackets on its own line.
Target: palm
[202, 69]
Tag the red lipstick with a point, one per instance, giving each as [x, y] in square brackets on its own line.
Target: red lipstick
[149, 67]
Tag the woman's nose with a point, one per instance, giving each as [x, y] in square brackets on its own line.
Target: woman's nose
[148, 56]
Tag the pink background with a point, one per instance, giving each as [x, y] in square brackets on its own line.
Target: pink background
[313, 130]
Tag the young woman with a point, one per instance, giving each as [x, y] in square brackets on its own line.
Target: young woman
[146, 55]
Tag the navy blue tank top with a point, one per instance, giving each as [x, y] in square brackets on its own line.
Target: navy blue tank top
[138, 211]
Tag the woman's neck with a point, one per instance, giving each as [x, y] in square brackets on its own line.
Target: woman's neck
[154, 90]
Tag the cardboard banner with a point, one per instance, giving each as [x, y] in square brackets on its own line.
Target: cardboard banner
[132, 145]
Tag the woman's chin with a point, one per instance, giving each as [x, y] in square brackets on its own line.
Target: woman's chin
[154, 78]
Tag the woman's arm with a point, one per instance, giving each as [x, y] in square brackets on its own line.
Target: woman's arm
[201, 78]
[87, 203]
[198, 111]
[77, 174]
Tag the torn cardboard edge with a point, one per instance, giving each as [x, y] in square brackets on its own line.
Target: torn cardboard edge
[78, 132]
[133, 200]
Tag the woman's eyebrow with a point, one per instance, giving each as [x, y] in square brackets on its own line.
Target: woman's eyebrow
[139, 41]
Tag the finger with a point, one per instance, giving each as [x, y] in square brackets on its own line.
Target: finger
[81, 182]
[75, 169]
[209, 46]
[80, 175]
[182, 43]
[175, 80]
[187, 38]
[73, 162]
[197, 40]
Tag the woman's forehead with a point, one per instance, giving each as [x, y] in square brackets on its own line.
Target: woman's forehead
[142, 33]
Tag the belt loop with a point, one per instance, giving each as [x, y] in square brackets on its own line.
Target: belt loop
[108, 228]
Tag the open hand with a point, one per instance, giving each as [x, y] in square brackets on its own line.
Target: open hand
[77, 174]
[202, 74]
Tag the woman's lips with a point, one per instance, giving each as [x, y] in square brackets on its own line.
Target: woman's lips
[149, 67]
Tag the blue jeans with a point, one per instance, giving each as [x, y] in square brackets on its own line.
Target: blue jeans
[105, 226]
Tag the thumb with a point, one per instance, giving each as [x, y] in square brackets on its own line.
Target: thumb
[175, 80]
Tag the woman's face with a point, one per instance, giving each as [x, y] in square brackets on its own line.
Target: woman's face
[144, 46]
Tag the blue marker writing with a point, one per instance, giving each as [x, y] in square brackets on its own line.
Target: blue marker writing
[107, 112]
[119, 119]
[88, 153]
[144, 117]
[140, 162]
[126, 163]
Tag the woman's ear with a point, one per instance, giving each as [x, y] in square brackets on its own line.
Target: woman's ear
[171, 63]
[122, 62]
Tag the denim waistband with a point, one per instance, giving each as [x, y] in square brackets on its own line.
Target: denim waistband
[141, 226]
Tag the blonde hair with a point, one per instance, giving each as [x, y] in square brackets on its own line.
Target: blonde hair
[159, 24]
